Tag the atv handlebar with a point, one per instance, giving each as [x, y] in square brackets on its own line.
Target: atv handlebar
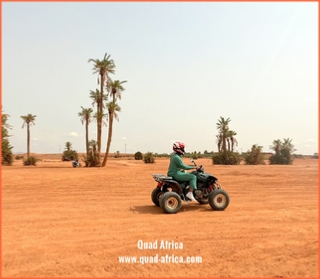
[200, 168]
[193, 161]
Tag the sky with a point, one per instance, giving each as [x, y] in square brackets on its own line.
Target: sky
[186, 65]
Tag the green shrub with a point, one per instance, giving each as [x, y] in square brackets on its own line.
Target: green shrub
[280, 159]
[138, 156]
[31, 161]
[283, 152]
[148, 158]
[19, 157]
[226, 158]
[93, 159]
[254, 156]
[284, 158]
[69, 155]
[7, 156]
[194, 155]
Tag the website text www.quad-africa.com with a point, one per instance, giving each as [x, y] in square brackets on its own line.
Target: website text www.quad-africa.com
[156, 258]
[160, 259]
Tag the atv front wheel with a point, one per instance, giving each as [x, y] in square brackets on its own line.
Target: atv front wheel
[219, 199]
[155, 195]
[170, 202]
[199, 197]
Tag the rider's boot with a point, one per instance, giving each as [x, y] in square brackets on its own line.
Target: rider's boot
[190, 196]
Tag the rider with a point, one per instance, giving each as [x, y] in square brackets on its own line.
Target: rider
[176, 165]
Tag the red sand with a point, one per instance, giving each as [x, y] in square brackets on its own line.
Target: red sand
[59, 221]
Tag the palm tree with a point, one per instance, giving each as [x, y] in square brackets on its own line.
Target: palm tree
[219, 142]
[287, 149]
[96, 97]
[115, 89]
[93, 145]
[276, 146]
[113, 108]
[255, 156]
[283, 152]
[86, 117]
[228, 139]
[287, 144]
[68, 145]
[5, 125]
[93, 159]
[7, 157]
[103, 68]
[29, 121]
[232, 139]
[99, 116]
[223, 128]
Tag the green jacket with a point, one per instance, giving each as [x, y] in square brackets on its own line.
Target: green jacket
[176, 165]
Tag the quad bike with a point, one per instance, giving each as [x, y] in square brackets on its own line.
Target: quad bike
[170, 193]
[75, 164]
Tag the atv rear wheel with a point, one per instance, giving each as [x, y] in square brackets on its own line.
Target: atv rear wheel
[155, 195]
[219, 199]
[170, 202]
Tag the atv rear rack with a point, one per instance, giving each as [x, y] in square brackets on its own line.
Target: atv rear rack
[161, 177]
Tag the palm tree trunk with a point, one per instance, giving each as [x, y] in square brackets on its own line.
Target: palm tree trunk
[87, 138]
[109, 139]
[224, 147]
[28, 140]
[99, 135]
[98, 125]
[99, 120]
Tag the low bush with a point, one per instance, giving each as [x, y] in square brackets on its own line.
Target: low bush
[138, 156]
[254, 156]
[226, 158]
[31, 161]
[148, 158]
[280, 160]
[69, 155]
[92, 160]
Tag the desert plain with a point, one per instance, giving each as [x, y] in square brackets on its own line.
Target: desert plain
[60, 221]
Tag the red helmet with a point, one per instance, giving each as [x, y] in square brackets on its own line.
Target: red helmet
[178, 147]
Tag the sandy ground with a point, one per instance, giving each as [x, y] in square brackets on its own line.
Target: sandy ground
[59, 221]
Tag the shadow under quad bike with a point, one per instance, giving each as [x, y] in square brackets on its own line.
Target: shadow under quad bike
[170, 193]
